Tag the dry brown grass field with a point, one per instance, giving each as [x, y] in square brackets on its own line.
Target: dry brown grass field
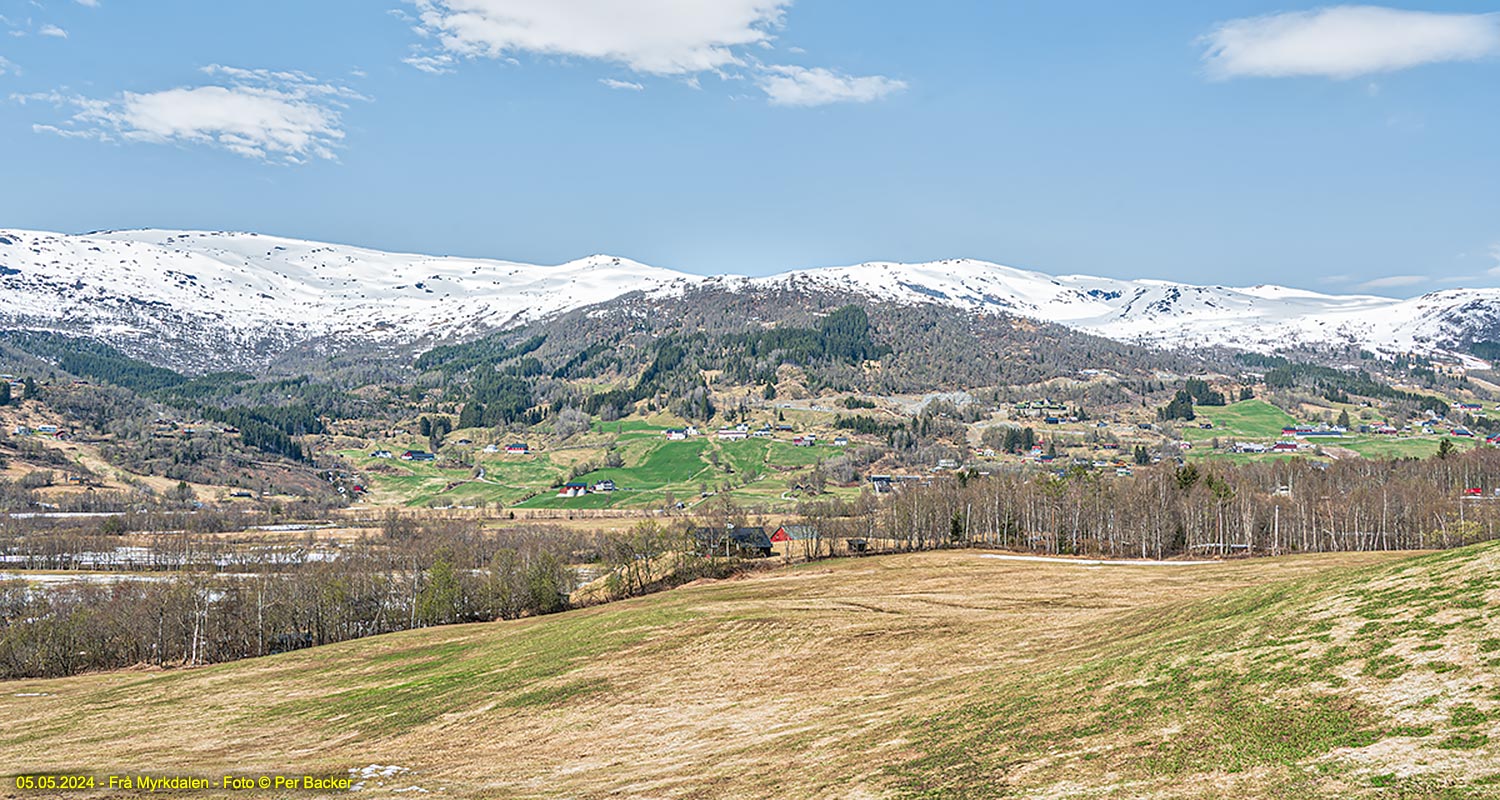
[929, 675]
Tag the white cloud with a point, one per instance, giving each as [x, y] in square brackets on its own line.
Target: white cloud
[52, 30]
[7, 66]
[261, 114]
[1347, 41]
[1495, 254]
[681, 39]
[801, 86]
[89, 3]
[1394, 282]
[657, 37]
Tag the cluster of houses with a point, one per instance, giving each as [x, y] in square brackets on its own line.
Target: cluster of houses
[1046, 410]
[579, 489]
[1314, 432]
[165, 428]
[742, 432]
[40, 430]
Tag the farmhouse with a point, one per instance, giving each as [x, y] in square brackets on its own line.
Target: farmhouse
[733, 541]
[518, 448]
[675, 434]
[603, 486]
[418, 455]
[381, 454]
[733, 434]
[794, 533]
[573, 490]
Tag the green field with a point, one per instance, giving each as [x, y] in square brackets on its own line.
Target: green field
[656, 470]
[927, 675]
[655, 473]
[1248, 419]
[507, 479]
[1403, 447]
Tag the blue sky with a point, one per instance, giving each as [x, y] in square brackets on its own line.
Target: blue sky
[1331, 147]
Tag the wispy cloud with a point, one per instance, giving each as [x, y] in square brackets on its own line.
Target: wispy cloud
[623, 85]
[8, 67]
[53, 31]
[801, 86]
[1394, 282]
[287, 117]
[432, 64]
[89, 3]
[1347, 42]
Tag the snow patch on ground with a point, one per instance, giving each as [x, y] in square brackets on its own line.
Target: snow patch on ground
[377, 775]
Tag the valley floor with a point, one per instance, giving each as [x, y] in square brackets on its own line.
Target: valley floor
[932, 675]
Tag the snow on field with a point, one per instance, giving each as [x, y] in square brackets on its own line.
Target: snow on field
[377, 775]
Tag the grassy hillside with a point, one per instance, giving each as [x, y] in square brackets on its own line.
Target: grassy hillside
[1248, 419]
[939, 675]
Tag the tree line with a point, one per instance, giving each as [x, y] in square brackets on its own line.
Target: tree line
[1169, 510]
[412, 575]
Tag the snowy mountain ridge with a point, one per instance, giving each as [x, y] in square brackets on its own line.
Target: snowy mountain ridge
[235, 299]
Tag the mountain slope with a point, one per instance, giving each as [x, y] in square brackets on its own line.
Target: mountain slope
[206, 300]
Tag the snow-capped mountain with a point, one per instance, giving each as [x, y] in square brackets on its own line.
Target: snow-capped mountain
[220, 300]
[1165, 314]
[235, 299]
